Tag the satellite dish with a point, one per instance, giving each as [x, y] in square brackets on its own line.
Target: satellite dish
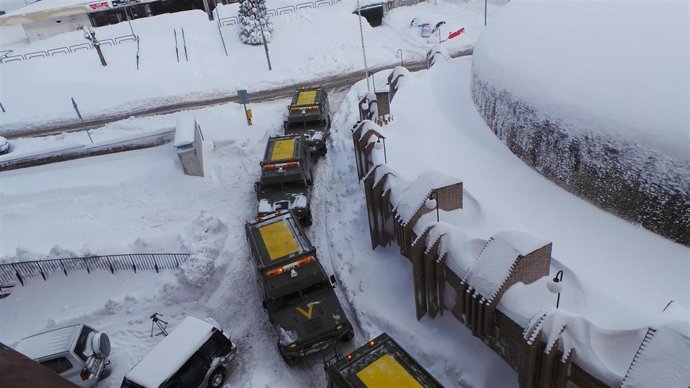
[100, 343]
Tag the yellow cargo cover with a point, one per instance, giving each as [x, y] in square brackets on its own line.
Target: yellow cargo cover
[278, 240]
[306, 97]
[283, 149]
[387, 372]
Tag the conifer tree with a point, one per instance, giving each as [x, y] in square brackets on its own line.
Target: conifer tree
[251, 13]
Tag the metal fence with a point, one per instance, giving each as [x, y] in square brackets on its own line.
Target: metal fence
[8, 56]
[11, 273]
[232, 20]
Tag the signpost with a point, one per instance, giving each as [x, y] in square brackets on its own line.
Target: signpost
[244, 100]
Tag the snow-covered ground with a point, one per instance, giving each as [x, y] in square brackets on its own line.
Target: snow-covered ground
[306, 45]
[140, 201]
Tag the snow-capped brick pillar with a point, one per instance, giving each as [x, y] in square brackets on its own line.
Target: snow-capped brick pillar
[395, 80]
[375, 107]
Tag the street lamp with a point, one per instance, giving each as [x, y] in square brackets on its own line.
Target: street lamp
[432, 203]
[555, 285]
[377, 145]
[485, 1]
[268, 59]
[364, 53]
[399, 54]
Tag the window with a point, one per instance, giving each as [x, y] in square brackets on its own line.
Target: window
[217, 345]
[58, 365]
[81, 349]
[193, 371]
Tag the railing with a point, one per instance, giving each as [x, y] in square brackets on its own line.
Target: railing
[5, 56]
[232, 20]
[21, 271]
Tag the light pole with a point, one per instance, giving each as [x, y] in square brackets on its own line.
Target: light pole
[364, 53]
[400, 52]
[555, 285]
[377, 145]
[485, 1]
[268, 59]
[432, 203]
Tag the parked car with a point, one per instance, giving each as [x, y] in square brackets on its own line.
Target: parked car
[196, 354]
[79, 353]
[4, 146]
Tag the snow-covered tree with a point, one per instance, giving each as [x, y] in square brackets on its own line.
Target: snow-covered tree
[251, 13]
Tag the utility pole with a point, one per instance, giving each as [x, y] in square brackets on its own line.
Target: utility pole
[90, 35]
[364, 53]
[268, 59]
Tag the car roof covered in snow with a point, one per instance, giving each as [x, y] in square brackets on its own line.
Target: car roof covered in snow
[171, 353]
[49, 342]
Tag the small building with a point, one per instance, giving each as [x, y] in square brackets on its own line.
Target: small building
[47, 18]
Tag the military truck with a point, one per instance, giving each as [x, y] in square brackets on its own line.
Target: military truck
[297, 294]
[379, 363]
[286, 177]
[308, 114]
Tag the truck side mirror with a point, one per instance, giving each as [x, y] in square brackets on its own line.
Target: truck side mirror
[333, 282]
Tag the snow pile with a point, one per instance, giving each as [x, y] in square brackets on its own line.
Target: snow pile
[205, 239]
[587, 109]
[460, 249]
[184, 130]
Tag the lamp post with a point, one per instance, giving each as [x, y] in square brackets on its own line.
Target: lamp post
[555, 285]
[485, 1]
[268, 59]
[377, 145]
[364, 53]
[432, 203]
[400, 53]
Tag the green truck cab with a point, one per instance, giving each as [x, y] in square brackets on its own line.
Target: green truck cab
[286, 177]
[379, 363]
[308, 114]
[297, 294]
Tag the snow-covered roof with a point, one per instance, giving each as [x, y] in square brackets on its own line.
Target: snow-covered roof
[664, 359]
[603, 353]
[460, 248]
[46, 9]
[492, 267]
[408, 201]
[49, 342]
[184, 131]
[171, 353]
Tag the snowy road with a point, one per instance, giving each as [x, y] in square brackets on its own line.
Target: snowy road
[333, 83]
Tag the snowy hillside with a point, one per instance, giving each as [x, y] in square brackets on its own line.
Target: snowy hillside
[603, 109]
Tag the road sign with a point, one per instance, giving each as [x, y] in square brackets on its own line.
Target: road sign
[243, 96]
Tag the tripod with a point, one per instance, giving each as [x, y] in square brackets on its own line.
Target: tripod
[158, 322]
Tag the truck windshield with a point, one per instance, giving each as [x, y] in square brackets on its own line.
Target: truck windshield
[299, 295]
[297, 186]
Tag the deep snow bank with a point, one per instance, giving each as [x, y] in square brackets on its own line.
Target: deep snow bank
[602, 110]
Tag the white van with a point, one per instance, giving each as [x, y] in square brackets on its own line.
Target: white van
[195, 354]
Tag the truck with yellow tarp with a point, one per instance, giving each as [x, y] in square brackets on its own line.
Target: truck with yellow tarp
[297, 294]
[380, 363]
[286, 177]
[308, 114]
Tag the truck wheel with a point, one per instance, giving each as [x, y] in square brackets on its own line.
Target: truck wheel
[217, 378]
[348, 337]
[308, 220]
[328, 125]
[290, 360]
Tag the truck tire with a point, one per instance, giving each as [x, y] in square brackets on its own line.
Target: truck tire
[217, 378]
[328, 124]
[348, 337]
[290, 360]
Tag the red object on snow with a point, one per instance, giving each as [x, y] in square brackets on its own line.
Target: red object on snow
[456, 33]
